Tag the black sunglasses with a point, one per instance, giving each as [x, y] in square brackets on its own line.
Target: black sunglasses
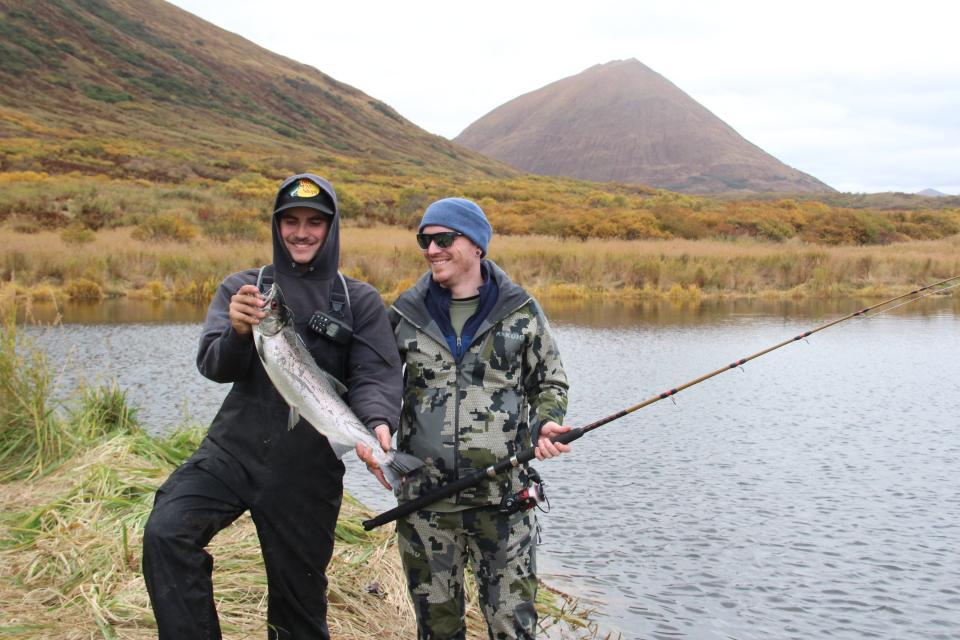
[443, 239]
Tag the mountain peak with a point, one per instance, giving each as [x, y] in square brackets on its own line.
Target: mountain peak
[622, 121]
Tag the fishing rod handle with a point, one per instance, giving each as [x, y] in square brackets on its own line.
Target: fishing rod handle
[475, 478]
[425, 500]
[530, 453]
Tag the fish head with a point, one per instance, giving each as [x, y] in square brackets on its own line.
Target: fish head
[278, 314]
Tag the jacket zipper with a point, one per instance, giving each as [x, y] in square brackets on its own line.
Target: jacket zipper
[456, 423]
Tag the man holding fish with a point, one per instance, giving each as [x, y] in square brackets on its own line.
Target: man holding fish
[321, 334]
[483, 380]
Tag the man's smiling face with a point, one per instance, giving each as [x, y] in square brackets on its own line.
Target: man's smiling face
[453, 264]
[303, 231]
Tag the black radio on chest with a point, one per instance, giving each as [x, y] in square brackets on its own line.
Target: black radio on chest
[330, 328]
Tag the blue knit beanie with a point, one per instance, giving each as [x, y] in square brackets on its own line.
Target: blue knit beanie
[460, 215]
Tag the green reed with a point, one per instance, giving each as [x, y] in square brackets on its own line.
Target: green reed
[31, 438]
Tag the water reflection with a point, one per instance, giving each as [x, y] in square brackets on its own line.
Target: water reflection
[608, 315]
[113, 311]
[594, 313]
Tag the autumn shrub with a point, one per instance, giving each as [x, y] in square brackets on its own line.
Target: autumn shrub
[93, 213]
[349, 205]
[83, 289]
[77, 234]
[42, 293]
[777, 230]
[23, 176]
[165, 227]
[637, 225]
[508, 223]
[157, 290]
[682, 293]
[200, 291]
[234, 224]
[926, 225]
[41, 213]
[251, 186]
[413, 201]
[680, 222]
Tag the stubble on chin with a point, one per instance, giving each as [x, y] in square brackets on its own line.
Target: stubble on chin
[434, 277]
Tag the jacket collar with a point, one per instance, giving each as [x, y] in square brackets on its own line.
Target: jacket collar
[412, 303]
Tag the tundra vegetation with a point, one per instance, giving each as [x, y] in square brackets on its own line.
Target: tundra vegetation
[88, 237]
[77, 481]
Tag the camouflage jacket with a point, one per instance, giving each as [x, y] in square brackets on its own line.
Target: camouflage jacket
[460, 419]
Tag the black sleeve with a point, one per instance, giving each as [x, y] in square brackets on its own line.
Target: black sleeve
[373, 377]
[224, 355]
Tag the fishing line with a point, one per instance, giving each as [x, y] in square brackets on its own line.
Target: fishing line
[528, 454]
[906, 302]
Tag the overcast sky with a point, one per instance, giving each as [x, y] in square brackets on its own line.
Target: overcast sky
[862, 95]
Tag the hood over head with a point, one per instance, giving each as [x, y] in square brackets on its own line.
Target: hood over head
[311, 191]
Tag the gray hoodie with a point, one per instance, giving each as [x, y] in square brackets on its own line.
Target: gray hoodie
[251, 425]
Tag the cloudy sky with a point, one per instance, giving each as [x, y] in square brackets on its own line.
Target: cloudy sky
[864, 95]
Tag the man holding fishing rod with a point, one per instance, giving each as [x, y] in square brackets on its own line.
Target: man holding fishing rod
[286, 475]
[483, 381]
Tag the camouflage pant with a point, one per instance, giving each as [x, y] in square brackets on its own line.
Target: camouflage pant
[434, 548]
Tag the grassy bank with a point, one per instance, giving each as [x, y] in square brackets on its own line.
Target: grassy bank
[77, 486]
[44, 266]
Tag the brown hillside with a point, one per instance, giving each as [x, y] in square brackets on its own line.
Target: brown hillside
[623, 122]
[147, 82]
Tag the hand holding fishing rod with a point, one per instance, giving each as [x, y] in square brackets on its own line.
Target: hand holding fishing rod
[573, 434]
[553, 441]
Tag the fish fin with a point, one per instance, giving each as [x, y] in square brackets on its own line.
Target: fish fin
[337, 385]
[399, 464]
[339, 448]
[259, 344]
[294, 417]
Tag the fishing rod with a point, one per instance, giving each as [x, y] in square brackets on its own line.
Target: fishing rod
[528, 454]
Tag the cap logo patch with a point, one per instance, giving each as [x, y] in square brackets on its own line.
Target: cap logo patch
[304, 189]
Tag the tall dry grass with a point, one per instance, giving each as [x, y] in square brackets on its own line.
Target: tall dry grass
[31, 439]
[548, 267]
[42, 266]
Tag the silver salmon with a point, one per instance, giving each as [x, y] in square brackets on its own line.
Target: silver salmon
[314, 394]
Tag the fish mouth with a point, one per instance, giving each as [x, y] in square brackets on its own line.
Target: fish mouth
[278, 314]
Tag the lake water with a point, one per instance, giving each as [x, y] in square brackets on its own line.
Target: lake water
[815, 493]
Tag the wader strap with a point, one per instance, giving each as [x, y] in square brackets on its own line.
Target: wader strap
[339, 299]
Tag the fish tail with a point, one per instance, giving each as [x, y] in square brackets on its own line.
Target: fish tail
[399, 464]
